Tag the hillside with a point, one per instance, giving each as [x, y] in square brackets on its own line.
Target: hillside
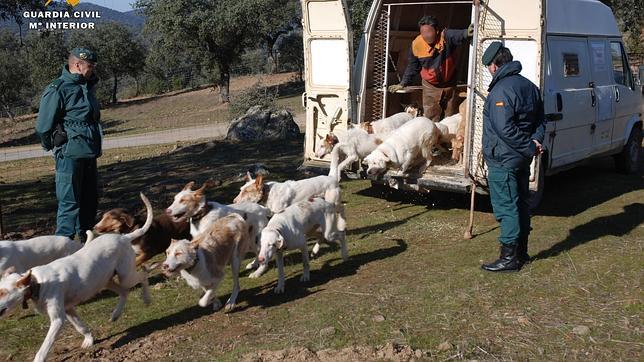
[134, 19]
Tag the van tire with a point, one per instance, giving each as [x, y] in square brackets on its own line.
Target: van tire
[630, 159]
[535, 197]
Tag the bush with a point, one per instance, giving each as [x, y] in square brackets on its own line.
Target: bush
[256, 95]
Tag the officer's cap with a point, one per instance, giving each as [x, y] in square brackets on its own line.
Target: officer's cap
[84, 54]
[491, 52]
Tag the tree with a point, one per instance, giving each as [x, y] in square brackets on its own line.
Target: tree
[47, 55]
[12, 10]
[630, 16]
[119, 53]
[278, 18]
[14, 75]
[291, 52]
[220, 30]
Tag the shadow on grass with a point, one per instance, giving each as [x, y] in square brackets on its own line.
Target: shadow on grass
[366, 231]
[263, 296]
[27, 139]
[615, 225]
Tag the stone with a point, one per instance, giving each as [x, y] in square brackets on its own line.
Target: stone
[262, 124]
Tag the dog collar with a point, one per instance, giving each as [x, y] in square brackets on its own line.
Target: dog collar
[203, 211]
[33, 292]
[194, 264]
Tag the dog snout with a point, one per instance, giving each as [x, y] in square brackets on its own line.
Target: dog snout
[261, 259]
[168, 211]
[165, 266]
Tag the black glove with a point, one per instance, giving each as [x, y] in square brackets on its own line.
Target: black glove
[59, 137]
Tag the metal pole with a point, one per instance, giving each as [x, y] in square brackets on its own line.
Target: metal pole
[384, 81]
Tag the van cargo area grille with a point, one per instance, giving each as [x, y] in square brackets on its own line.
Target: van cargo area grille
[376, 98]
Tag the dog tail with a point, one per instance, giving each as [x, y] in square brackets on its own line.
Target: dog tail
[148, 221]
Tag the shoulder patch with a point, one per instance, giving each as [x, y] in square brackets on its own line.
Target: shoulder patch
[500, 104]
[56, 83]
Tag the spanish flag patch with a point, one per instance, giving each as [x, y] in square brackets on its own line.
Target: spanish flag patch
[500, 104]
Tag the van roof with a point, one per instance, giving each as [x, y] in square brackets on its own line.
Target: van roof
[580, 17]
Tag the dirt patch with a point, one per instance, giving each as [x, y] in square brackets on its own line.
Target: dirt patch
[390, 352]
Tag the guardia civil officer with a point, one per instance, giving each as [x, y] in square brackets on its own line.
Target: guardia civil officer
[513, 130]
[68, 124]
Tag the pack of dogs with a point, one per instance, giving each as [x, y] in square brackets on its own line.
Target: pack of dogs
[403, 141]
[201, 237]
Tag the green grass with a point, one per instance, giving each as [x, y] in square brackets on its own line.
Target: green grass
[407, 263]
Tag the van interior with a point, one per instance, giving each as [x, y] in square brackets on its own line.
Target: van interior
[403, 29]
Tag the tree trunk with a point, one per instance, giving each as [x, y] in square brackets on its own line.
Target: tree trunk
[224, 82]
[114, 89]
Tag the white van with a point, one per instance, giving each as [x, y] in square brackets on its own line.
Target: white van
[571, 49]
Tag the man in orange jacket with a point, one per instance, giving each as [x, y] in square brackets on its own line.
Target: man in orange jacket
[434, 53]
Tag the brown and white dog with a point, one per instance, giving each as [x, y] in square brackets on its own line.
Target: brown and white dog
[201, 261]
[357, 144]
[58, 287]
[192, 205]
[383, 127]
[155, 241]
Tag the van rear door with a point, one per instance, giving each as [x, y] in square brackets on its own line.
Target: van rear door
[328, 59]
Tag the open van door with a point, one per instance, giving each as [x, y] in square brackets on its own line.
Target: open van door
[328, 60]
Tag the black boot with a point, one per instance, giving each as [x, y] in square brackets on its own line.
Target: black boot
[522, 251]
[507, 262]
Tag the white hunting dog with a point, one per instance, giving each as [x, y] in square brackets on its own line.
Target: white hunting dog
[202, 260]
[192, 205]
[406, 147]
[289, 230]
[23, 255]
[58, 287]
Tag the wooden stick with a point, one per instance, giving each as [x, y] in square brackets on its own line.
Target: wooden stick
[468, 232]
[1, 223]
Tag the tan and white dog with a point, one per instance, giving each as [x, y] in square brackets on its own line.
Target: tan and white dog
[289, 230]
[192, 205]
[22, 255]
[407, 146]
[201, 261]
[383, 127]
[357, 144]
[58, 287]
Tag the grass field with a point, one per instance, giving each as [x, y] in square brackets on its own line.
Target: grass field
[410, 279]
[163, 112]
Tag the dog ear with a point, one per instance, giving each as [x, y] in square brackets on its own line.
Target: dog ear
[188, 186]
[9, 270]
[280, 242]
[24, 280]
[195, 243]
[212, 183]
[334, 139]
[259, 181]
[200, 191]
[127, 220]
[248, 177]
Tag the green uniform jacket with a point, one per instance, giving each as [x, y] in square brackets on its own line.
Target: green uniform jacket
[71, 100]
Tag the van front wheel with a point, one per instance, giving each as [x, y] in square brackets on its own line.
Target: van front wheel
[629, 160]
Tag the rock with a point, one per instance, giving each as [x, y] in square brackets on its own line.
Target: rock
[524, 321]
[418, 353]
[378, 318]
[327, 332]
[261, 124]
[445, 346]
[581, 330]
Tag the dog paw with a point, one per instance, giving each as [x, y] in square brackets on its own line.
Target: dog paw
[229, 307]
[256, 274]
[87, 342]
